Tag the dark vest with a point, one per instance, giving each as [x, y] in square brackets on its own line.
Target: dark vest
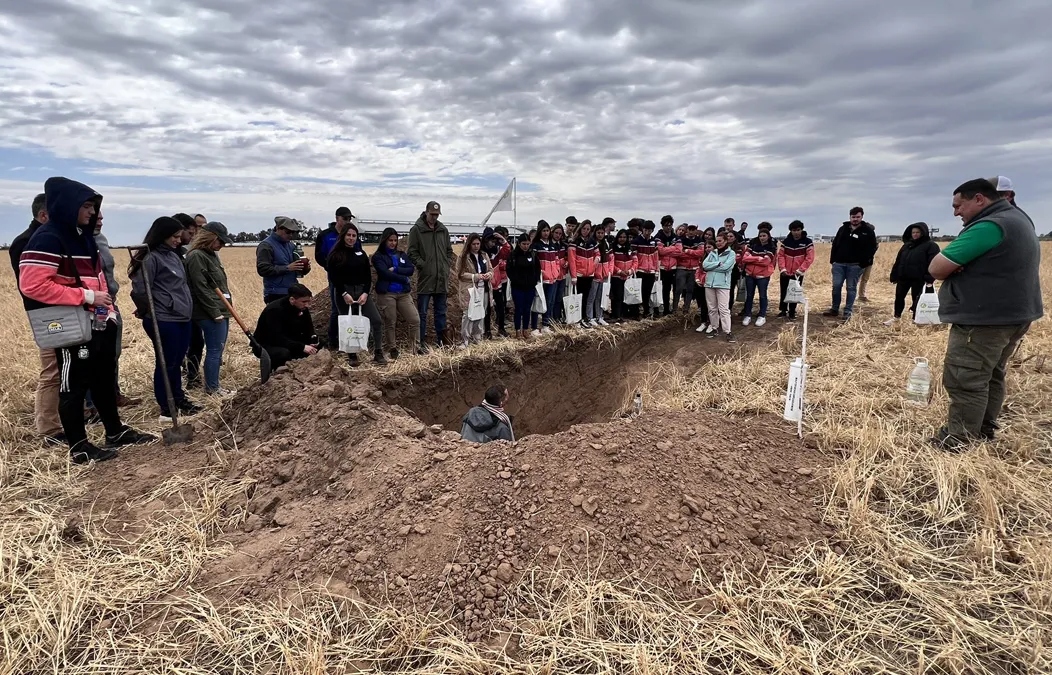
[283, 255]
[1002, 287]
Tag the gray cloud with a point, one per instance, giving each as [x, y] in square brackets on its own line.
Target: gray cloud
[798, 109]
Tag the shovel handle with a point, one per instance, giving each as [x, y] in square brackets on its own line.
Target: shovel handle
[233, 312]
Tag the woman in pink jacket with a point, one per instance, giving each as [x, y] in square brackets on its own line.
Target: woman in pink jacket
[759, 258]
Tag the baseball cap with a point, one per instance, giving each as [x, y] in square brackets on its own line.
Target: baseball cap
[1001, 184]
[434, 206]
[219, 229]
[692, 227]
[344, 212]
[290, 224]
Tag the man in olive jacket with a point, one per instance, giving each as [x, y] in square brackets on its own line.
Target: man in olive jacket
[431, 253]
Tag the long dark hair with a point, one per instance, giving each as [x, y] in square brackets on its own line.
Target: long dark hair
[340, 252]
[541, 226]
[462, 261]
[161, 229]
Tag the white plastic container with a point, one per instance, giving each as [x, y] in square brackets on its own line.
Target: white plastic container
[918, 385]
[794, 392]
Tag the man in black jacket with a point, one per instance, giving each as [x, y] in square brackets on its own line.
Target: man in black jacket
[285, 328]
[853, 249]
[45, 406]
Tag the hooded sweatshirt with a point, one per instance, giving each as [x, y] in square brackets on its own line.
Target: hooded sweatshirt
[61, 250]
[759, 259]
[796, 255]
[394, 269]
[911, 264]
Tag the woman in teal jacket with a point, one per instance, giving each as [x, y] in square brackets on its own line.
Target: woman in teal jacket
[718, 266]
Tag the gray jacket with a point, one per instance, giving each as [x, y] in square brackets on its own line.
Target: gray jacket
[106, 258]
[171, 293]
[482, 426]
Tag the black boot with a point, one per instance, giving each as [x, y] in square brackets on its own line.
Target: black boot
[353, 360]
[378, 358]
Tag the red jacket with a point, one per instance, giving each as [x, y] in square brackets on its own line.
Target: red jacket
[647, 259]
[583, 258]
[669, 247]
[499, 265]
[625, 261]
[796, 255]
[551, 261]
[692, 253]
[759, 260]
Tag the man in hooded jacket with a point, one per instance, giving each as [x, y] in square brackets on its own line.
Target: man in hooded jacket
[488, 421]
[910, 271]
[61, 267]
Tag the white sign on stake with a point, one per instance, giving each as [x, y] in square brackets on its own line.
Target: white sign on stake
[794, 390]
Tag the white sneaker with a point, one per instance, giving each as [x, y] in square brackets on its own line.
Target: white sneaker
[746, 321]
[761, 321]
[602, 322]
[710, 330]
[165, 419]
[546, 330]
[701, 328]
[222, 393]
[536, 333]
[891, 322]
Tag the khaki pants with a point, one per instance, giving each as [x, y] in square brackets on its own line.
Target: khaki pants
[391, 305]
[863, 282]
[974, 376]
[45, 407]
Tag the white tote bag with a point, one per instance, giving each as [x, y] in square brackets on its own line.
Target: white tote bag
[633, 291]
[476, 303]
[606, 296]
[572, 306]
[354, 332]
[539, 304]
[794, 293]
[928, 308]
[655, 293]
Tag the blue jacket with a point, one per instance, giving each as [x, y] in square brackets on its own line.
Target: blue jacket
[327, 238]
[273, 257]
[718, 268]
[387, 281]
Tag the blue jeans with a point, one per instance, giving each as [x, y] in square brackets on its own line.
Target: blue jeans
[175, 340]
[334, 319]
[851, 273]
[215, 342]
[560, 291]
[524, 308]
[550, 293]
[751, 284]
[422, 301]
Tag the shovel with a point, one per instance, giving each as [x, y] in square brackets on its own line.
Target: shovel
[179, 433]
[264, 357]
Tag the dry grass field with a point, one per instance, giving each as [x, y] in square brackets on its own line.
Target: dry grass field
[946, 565]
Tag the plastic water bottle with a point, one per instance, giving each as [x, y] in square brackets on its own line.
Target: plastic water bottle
[637, 404]
[918, 386]
[98, 320]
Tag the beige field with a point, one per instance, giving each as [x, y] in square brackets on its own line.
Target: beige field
[947, 566]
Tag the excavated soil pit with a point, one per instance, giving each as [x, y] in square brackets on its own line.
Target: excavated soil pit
[571, 381]
[354, 493]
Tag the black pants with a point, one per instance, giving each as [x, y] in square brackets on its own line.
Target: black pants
[703, 304]
[279, 356]
[736, 276]
[376, 324]
[584, 285]
[617, 297]
[914, 288]
[668, 282]
[499, 311]
[783, 286]
[194, 354]
[647, 289]
[91, 366]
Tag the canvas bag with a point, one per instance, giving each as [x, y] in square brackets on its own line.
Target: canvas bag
[794, 293]
[928, 308]
[476, 304]
[741, 295]
[633, 290]
[655, 293]
[572, 306]
[539, 304]
[354, 332]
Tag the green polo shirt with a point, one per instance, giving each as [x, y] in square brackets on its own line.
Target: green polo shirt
[974, 242]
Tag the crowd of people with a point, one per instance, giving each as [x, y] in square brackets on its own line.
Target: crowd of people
[572, 273]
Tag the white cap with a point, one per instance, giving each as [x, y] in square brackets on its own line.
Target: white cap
[1002, 184]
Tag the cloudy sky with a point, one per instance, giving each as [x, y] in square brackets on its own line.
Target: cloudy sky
[761, 110]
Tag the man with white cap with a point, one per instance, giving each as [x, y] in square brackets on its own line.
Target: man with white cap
[1003, 185]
